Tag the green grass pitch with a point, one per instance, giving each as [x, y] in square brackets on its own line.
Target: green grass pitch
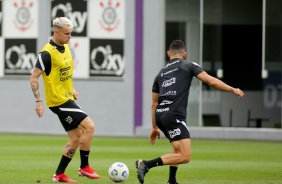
[24, 159]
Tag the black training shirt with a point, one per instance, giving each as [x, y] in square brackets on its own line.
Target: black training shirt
[173, 84]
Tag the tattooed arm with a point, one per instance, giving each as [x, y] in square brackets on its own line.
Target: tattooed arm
[39, 108]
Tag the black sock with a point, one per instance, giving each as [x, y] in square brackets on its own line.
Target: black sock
[172, 174]
[84, 155]
[63, 164]
[153, 163]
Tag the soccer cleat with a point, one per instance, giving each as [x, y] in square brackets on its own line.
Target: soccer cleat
[62, 178]
[172, 183]
[141, 170]
[88, 172]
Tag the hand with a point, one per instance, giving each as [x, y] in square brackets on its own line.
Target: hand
[238, 92]
[39, 108]
[153, 135]
[75, 94]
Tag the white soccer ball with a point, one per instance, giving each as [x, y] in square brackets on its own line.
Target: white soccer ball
[118, 172]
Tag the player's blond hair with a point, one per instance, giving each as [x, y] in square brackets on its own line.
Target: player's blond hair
[60, 22]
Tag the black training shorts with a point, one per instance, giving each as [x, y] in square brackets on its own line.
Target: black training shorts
[173, 127]
[70, 114]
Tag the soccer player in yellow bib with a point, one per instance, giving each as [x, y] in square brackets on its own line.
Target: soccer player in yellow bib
[55, 64]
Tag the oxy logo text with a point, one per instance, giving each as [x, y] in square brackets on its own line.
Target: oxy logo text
[25, 60]
[78, 19]
[111, 63]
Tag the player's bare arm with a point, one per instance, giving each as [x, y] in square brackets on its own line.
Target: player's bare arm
[35, 89]
[75, 94]
[155, 132]
[218, 84]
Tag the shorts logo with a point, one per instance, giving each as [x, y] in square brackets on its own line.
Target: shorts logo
[175, 132]
[69, 120]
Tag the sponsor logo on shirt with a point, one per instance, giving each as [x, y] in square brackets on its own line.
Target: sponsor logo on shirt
[164, 102]
[169, 82]
[64, 74]
[175, 69]
[169, 93]
[163, 110]
[172, 63]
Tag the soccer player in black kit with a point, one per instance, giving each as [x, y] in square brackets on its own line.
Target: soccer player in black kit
[169, 103]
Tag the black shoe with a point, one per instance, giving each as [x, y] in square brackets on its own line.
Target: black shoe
[141, 170]
[172, 183]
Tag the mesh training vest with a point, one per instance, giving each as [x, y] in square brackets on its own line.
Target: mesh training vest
[58, 86]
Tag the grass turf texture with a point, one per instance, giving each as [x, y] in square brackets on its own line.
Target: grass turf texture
[28, 158]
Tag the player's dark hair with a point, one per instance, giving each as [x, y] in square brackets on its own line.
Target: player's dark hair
[177, 46]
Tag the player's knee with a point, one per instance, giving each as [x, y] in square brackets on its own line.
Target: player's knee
[88, 126]
[91, 127]
[75, 140]
[186, 158]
